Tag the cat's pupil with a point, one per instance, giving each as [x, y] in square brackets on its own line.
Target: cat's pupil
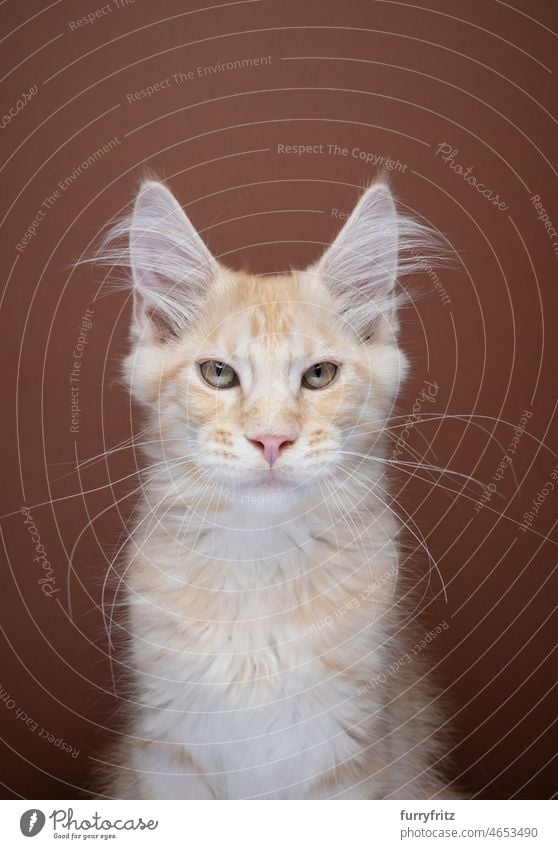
[318, 370]
[219, 368]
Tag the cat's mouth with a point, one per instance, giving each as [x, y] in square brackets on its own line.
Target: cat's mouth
[271, 478]
[265, 482]
[268, 482]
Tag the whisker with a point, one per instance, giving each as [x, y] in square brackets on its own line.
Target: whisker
[425, 466]
[115, 557]
[419, 539]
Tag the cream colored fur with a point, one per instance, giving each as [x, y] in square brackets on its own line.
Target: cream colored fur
[264, 607]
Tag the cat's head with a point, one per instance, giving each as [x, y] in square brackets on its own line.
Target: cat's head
[270, 382]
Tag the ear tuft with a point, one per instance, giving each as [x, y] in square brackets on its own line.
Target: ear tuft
[376, 246]
[170, 265]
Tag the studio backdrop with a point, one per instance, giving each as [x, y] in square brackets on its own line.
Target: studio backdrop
[267, 119]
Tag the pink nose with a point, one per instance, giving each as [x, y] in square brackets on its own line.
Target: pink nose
[271, 446]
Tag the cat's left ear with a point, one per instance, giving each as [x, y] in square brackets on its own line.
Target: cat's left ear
[361, 265]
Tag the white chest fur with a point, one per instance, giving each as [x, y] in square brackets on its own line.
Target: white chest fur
[250, 647]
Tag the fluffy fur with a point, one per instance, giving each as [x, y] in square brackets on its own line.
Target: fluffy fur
[263, 613]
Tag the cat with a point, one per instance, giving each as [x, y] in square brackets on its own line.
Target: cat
[266, 632]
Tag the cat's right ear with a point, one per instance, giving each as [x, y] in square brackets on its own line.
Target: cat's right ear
[172, 268]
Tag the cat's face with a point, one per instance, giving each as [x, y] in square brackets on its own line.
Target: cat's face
[268, 386]
[270, 383]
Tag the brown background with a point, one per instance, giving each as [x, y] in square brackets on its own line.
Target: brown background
[389, 78]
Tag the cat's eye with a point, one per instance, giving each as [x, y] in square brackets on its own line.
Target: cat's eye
[319, 375]
[218, 374]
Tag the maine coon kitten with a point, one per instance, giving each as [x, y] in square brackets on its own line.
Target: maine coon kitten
[261, 575]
